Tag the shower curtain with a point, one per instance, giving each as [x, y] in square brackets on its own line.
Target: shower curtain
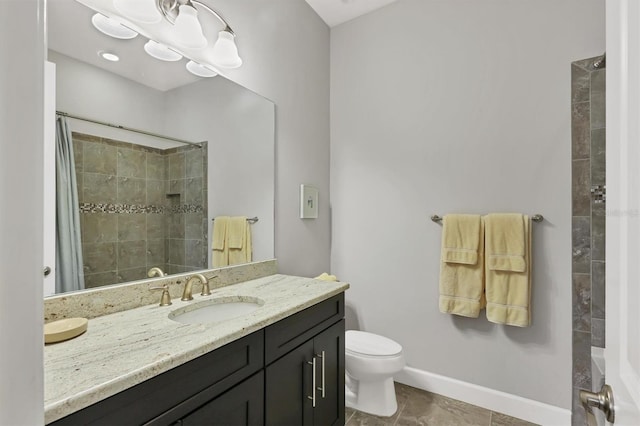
[69, 266]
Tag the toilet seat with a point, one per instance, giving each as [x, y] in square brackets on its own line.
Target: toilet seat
[366, 344]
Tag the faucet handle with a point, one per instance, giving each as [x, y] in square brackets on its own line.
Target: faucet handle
[205, 287]
[165, 299]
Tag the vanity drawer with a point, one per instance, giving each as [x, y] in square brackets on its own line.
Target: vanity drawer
[289, 333]
[214, 372]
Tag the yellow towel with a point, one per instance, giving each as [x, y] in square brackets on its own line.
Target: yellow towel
[239, 240]
[462, 265]
[236, 232]
[219, 246]
[326, 277]
[508, 264]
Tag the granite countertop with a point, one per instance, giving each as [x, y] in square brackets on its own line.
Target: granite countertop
[123, 349]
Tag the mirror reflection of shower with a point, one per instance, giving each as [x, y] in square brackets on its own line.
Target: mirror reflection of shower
[139, 207]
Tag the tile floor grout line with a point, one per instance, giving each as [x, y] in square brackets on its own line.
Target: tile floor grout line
[404, 404]
[348, 419]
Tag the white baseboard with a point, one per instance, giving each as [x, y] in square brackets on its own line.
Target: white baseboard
[501, 402]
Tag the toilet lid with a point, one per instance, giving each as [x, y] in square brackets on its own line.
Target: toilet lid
[370, 344]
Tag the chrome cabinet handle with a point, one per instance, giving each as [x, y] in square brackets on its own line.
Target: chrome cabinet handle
[323, 387]
[313, 382]
[47, 271]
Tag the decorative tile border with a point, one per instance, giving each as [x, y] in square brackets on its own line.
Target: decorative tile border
[138, 208]
[186, 208]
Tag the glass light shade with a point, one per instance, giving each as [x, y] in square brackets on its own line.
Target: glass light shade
[187, 28]
[111, 27]
[162, 52]
[200, 70]
[225, 52]
[144, 11]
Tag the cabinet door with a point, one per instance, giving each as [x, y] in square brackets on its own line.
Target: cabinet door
[242, 405]
[329, 352]
[287, 386]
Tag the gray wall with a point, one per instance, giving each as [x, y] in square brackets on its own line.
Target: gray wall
[463, 106]
[21, 243]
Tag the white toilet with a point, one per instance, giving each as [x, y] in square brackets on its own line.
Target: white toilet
[371, 361]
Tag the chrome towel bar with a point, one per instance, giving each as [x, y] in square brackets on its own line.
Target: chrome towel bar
[251, 220]
[535, 218]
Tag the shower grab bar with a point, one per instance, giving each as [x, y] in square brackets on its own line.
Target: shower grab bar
[251, 220]
[535, 218]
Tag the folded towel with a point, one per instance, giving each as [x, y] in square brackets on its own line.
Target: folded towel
[326, 277]
[505, 243]
[239, 240]
[462, 265]
[220, 248]
[236, 231]
[508, 274]
[460, 238]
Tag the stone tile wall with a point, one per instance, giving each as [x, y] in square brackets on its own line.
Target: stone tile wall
[588, 221]
[141, 207]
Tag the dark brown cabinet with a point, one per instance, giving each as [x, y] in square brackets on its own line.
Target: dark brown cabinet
[306, 386]
[242, 405]
[266, 377]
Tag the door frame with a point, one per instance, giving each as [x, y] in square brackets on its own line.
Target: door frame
[623, 199]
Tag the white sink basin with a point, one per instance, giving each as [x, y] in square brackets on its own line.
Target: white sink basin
[216, 310]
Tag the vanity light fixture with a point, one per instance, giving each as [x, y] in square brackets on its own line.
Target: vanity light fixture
[111, 27]
[161, 52]
[112, 57]
[200, 70]
[185, 30]
[183, 12]
[144, 11]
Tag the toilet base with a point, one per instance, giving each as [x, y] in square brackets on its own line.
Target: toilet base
[377, 397]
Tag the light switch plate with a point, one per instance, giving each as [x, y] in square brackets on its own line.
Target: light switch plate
[308, 202]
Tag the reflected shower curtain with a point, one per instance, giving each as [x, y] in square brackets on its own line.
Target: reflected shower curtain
[69, 266]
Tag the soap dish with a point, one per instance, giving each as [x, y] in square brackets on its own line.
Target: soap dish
[64, 329]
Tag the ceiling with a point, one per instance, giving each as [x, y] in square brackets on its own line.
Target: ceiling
[335, 12]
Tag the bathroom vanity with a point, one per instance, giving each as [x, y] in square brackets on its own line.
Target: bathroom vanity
[283, 364]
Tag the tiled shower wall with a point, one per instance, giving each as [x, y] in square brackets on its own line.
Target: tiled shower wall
[588, 172]
[140, 207]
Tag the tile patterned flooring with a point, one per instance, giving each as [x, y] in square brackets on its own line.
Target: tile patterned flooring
[417, 408]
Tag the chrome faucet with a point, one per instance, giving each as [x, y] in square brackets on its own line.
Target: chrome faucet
[156, 272]
[186, 294]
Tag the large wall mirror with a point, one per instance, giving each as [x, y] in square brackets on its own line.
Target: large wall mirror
[146, 201]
